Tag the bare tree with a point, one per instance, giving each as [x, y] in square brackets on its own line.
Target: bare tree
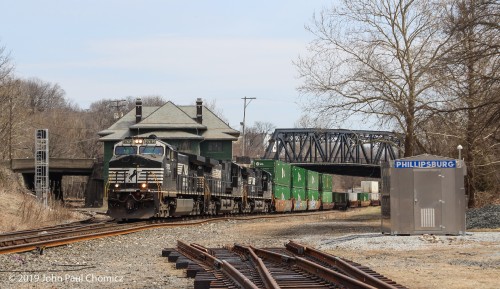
[212, 106]
[105, 112]
[472, 72]
[6, 67]
[41, 95]
[6, 97]
[257, 137]
[376, 57]
[13, 118]
[88, 140]
[310, 121]
[102, 114]
[147, 100]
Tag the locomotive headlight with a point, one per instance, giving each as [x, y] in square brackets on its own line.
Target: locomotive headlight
[144, 186]
[138, 141]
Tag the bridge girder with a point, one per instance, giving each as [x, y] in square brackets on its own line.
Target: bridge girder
[333, 146]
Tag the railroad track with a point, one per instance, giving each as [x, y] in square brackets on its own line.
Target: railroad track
[295, 266]
[39, 239]
[45, 230]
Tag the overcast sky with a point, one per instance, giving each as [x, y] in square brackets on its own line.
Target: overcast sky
[181, 50]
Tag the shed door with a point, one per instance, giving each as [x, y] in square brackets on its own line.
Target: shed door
[427, 196]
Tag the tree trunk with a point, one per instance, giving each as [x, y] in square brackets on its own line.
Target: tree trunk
[409, 140]
[469, 159]
[471, 96]
[410, 127]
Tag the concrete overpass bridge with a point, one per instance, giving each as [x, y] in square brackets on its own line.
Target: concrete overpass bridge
[335, 151]
[60, 167]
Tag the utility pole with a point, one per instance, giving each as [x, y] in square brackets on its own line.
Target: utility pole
[243, 123]
[118, 105]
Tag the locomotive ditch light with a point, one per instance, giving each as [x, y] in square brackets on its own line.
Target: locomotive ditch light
[117, 185]
[144, 186]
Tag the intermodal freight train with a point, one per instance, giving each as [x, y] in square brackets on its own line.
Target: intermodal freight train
[150, 178]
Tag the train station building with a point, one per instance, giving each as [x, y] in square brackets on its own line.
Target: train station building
[191, 129]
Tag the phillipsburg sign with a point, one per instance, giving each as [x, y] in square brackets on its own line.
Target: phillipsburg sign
[424, 164]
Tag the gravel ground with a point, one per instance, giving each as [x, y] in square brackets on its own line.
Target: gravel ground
[487, 217]
[134, 260]
[376, 241]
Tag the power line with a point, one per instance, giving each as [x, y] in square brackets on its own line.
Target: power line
[118, 104]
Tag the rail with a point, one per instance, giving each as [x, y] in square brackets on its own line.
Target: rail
[271, 268]
[222, 265]
[339, 263]
[16, 242]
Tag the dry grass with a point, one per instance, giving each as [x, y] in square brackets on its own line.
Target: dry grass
[20, 210]
[23, 211]
[32, 212]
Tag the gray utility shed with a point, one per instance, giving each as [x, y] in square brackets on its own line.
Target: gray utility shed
[423, 194]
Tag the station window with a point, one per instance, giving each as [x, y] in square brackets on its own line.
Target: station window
[215, 146]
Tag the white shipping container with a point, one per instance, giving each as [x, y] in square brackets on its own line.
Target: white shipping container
[369, 187]
[374, 197]
[353, 196]
[364, 186]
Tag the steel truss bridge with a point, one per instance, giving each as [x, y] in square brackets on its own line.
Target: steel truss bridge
[335, 151]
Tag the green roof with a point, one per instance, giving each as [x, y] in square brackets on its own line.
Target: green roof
[169, 116]
[170, 122]
[211, 120]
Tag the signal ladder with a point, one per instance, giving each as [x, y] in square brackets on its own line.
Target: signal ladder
[42, 187]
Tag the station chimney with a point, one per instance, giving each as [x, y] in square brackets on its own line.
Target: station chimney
[138, 110]
[199, 110]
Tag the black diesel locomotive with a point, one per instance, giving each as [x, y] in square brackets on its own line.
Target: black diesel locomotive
[149, 178]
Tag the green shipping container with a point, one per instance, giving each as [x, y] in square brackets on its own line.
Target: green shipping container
[326, 183]
[281, 192]
[312, 195]
[281, 171]
[363, 197]
[299, 194]
[327, 197]
[312, 180]
[298, 177]
[339, 197]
